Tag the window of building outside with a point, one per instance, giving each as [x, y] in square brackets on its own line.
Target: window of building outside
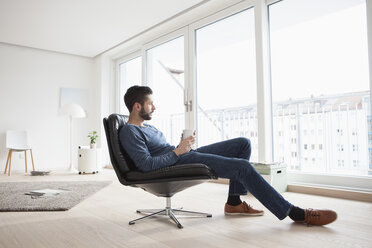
[130, 73]
[165, 74]
[226, 80]
[320, 81]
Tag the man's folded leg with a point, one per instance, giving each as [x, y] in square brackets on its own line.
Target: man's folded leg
[242, 171]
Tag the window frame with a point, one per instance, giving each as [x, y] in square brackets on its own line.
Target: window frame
[339, 181]
[122, 60]
[263, 81]
[265, 117]
[183, 31]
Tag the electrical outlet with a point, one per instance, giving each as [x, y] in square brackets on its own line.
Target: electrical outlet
[21, 156]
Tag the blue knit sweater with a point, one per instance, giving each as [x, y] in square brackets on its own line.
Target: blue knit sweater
[147, 147]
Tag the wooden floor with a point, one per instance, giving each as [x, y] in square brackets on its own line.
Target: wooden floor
[102, 221]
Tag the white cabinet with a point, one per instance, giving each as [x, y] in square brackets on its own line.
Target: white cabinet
[89, 160]
[275, 174]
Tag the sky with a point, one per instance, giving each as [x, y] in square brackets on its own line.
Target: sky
[314, 51]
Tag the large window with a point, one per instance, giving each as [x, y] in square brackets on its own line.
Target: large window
[226, 80]
[320, 85]
[165, 75]
[129, 75]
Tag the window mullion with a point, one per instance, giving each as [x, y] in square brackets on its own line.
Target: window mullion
[369, 36]
[264, 107]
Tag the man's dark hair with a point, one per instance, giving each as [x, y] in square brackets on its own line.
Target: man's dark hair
[136, 94]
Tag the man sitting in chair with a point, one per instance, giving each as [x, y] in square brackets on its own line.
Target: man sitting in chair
[149, 150]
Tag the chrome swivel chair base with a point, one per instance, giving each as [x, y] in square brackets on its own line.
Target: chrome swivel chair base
[170, 212]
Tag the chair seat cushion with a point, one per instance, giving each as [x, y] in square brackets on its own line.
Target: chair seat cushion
[173, 172]
[19, 149]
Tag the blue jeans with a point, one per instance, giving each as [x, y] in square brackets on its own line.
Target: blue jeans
[230, 159]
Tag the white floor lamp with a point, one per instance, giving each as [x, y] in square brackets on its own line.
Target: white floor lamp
[72, 110]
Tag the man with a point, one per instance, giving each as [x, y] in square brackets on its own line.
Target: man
[149, 151]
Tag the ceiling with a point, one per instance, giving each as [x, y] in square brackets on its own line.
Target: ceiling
[82, 27]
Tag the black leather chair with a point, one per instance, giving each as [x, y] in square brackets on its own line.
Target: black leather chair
[164, 182]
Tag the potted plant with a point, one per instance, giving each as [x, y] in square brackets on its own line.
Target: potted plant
[93, 136]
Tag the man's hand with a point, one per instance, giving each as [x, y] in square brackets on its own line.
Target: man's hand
[185, 145]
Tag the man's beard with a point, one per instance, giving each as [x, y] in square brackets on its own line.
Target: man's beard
[144, 115]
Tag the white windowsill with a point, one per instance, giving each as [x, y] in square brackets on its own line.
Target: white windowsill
[356, 183]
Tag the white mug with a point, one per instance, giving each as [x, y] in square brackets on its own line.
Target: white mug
[187, 133]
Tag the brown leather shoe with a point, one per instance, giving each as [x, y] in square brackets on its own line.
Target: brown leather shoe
[242, 209]
[319, 217]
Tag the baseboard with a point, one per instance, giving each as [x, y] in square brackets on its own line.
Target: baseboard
[331, 192]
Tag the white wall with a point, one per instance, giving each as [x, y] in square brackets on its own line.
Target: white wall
[30, 82]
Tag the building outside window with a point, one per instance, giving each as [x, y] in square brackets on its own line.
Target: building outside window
[226, 80]
[319, 51]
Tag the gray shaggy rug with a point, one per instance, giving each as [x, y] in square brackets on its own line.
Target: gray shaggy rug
[13, 198]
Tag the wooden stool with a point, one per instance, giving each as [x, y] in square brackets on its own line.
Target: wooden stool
[9, 160]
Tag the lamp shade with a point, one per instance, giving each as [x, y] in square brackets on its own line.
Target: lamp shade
[72, 109]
